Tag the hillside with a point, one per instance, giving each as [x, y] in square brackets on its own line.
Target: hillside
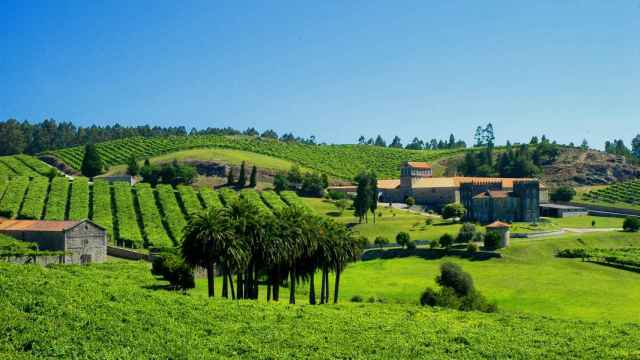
[342, 161]
[118, 310]
[23, 165]
[138, 216]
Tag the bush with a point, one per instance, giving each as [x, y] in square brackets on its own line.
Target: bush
[472, 248]
[342, 204]
[573, 253]
[410, 201]
[433, 244]
[453, 211]
[492, 240]
[403, 238]
[563, 193]
[446, 240]
[467, 233]
[452, 276]
[173, 269]
[428, 222]
[337, 195]
[631, 224]
[411, 245]
[381, 241]
[357, 298]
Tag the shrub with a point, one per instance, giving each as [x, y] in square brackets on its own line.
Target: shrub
[446, 240]
[492, 240]
[357, 298]
[410, 201]
[631, 224]
[433, 244]
[381, 241]
[337, 195]
[573, 253]
[341, 205]
[428, 221]
[452, 276]
[467, 233]
[472, 248]
[453, 211]
[411, 245]
[403, 238]
[563, 193]
[173, 269]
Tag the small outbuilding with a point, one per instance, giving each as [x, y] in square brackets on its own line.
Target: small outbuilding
[562, 211]
[502, 229]
[84, 242]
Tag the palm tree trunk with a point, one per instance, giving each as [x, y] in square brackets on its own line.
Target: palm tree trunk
[239, 288]
[256, 286]
[276, 285]
[292, 287]
[269, 288]
[326, 289]
[312, 289]
[210, 280]
[233, 293]
[335, 292]
[225, 285]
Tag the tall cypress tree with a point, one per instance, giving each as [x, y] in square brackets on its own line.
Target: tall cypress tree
[252, 178]
[373, 190]
[230, 178]
[242, 178]
[91, 163]
[362, 202]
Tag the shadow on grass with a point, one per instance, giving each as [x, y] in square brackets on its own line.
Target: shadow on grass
[428, 254]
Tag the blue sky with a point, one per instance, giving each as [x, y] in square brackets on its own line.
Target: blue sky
[335, 70]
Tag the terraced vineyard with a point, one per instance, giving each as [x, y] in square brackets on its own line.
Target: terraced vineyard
[138, 216]
[23, 165]
[626, 257]
[626, 193]
[342, 161]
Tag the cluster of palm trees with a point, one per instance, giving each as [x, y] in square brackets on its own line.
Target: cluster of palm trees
[289, 246]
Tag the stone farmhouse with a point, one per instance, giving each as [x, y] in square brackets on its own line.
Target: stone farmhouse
[84, 242]
[486, 199]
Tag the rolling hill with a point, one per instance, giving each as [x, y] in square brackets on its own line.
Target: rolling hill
[341, 161]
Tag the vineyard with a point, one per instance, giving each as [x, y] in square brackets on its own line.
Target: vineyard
[342, 161]
[626, 192]
[626, 257]
[23, 165]
[138, 216]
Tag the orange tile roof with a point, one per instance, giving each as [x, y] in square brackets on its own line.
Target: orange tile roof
[388, 184]
[498, 225]
[418, 164]
[37, 225]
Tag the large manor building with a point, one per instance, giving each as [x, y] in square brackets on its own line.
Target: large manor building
[486, 199]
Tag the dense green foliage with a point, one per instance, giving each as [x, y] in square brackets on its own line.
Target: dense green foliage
[92, 164]
[631, 224]
[626, 192]
[109, 311]
[453, 211]
[563, 193]
[33, 203]
[170, 173]
[126, 220]
[344, 161]
[153, 228]
[619, 256]
[79, 199]
[57, 199]
[12, 199]
[172, 268]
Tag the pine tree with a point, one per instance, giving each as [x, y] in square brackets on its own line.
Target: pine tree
[91, 163]
[242, 178]
[252, 178]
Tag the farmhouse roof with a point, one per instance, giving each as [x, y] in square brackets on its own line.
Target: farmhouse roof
[498, 225]
[418, 164]
[41, 225]
[388, 184]
[495, 194]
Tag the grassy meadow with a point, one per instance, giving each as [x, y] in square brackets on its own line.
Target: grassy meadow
[118, 310]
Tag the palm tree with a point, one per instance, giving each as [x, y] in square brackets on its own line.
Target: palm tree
[348, 249]
[249, 233]
[202, 242]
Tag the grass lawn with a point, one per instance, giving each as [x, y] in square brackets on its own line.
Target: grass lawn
[227, 156]
[529, 279]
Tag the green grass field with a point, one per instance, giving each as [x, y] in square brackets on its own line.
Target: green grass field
[118, 310]
[225, 156]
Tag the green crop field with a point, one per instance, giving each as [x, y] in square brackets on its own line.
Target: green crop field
[342, 161]
[625, 195]
[118, 310]
[23, 165]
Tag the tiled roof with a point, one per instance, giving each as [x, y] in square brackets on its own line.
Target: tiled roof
[418, 164]
[37, 225]
[388, 184]
[493, 194]
[498, 225]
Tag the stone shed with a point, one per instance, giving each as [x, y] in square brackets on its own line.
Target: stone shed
[84, 241]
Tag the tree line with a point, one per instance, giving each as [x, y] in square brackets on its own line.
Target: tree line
[32, 138]
[416, 143]
[290, 246]
[618, 147]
